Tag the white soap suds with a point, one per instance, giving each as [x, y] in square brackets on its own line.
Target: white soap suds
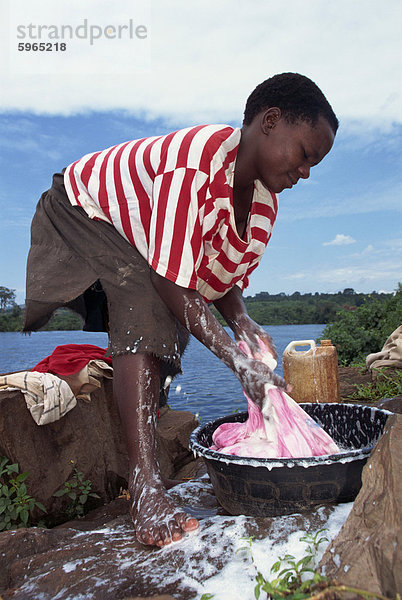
[70, 566]
[337, 560]
[209, 558]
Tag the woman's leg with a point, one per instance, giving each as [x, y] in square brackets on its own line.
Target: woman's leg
[156, 518]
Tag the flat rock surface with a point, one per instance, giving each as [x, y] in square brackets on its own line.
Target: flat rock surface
[99, 558]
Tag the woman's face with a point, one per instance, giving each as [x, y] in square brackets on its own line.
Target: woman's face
[287, 151]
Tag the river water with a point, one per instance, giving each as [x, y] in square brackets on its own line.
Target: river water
[206, 387]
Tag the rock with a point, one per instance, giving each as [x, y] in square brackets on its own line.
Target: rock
[367, 553]
[349, 377]
[98, 557]
[391, 404]
[90, 436]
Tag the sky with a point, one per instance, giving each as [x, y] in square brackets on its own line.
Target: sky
[135, 68]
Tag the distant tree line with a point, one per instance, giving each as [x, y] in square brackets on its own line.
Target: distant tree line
[265, 308]
[302, 309]
[11, 315]
[63, 319]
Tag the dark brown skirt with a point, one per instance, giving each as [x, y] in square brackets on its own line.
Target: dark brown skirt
[88, 266]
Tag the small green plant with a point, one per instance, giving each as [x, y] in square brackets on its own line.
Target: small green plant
[15, 502]
[388, 384]
[249, 541]
[78, 491]
[207, 596]
[291, 581]
[298, 579]
[360, 364]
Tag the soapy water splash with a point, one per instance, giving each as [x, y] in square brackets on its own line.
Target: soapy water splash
[281, 429]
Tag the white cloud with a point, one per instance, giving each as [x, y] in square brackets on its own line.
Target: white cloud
[377, 275]
[380, 196]
[383, 250]
[367, 250]
[295, 276]
[207, 57]
[394, 244]
[375, 271]
[340, 240]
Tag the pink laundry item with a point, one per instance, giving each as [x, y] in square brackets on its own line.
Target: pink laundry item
[282, 429]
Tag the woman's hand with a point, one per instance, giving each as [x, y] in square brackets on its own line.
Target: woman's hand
[253, 375]
[234, 311]
[251, 372]
[247, 330]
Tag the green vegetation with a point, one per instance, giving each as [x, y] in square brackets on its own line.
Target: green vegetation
[7, 298]
[295, 580]
[387, 384]
[11, 319]
[299, 579]
[302, 309]
[364, 330]
[16, 504]
[63, 319]
[78, 491]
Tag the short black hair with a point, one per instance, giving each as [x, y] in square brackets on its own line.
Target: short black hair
[298, 98]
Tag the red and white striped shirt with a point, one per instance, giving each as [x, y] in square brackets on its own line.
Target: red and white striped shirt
[171, 198]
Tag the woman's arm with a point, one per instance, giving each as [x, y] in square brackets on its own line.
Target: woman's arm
[192, 311]
[234, 311]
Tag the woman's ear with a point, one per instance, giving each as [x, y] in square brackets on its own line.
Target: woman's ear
[270, 117]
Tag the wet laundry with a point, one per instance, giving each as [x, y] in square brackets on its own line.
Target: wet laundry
[280, 429]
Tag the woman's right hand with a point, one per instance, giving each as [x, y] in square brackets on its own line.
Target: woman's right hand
[254, 375]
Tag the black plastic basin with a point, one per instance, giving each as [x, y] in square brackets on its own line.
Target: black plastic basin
[269, 486]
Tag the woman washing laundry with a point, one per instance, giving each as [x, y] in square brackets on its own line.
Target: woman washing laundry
[159, 228]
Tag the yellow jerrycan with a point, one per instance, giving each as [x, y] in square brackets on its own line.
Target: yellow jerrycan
[313, 373]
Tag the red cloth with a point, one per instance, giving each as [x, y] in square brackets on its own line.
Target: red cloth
[71, 358]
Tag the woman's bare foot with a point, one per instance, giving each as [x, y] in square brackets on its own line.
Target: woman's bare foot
[157, 519]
